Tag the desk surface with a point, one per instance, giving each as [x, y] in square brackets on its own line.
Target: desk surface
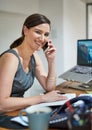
[63, 87]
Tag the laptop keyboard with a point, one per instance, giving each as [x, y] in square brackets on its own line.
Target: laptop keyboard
[82, 70]
[78, 73]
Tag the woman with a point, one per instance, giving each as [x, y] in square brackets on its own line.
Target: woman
[21, 64]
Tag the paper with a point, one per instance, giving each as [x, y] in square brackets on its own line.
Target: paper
[20, 121]
[57, 103]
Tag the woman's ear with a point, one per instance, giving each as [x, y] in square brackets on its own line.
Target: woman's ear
[25, 30]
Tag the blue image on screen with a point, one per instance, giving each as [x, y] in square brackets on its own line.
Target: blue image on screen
[84, 52]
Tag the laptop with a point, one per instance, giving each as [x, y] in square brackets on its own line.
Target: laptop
[82, 72]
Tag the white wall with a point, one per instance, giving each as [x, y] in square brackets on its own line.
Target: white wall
[74, 19]
[10, 24]
[20, 6]
[68, 24]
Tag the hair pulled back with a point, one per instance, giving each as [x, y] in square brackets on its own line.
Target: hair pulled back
[30, 21]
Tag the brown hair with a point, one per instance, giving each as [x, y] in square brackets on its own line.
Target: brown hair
[30, 21]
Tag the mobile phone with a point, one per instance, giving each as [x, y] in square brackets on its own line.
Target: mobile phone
[45, 47]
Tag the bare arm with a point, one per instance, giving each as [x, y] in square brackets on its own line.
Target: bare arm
[48, 81]
[8, 67]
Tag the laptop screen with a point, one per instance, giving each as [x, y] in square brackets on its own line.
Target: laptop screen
[84, 52]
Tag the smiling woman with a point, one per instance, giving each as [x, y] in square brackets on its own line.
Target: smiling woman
[21, 64]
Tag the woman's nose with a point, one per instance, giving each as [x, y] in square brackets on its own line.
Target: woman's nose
[42, 38]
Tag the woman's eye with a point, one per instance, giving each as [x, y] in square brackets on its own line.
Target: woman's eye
[38, 32]
[47, 34]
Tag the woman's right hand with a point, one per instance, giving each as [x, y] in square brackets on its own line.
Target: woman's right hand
[53, 96]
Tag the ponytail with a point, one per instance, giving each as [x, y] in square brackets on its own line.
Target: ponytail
[17, 42]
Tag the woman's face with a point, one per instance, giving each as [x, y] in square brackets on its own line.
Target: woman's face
[37, 36]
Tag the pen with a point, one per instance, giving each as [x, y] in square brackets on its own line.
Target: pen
[60, 93]
[57, 92]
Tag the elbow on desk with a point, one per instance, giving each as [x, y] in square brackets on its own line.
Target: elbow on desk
[2, 107]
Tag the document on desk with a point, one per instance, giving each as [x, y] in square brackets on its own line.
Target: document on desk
[58, 103]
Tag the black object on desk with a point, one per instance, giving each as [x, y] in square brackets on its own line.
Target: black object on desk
[65, 115]
[5, 122]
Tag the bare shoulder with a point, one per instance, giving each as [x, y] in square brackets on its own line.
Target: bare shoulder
[8, 56]
[8, 59]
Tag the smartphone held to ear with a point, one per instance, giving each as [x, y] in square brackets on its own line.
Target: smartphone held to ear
[45, 47]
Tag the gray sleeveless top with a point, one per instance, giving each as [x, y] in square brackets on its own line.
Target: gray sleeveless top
[22, 80]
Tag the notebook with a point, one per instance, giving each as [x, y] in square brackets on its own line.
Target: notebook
[82, 72]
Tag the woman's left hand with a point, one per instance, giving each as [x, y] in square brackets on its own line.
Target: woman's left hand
[50, 53]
